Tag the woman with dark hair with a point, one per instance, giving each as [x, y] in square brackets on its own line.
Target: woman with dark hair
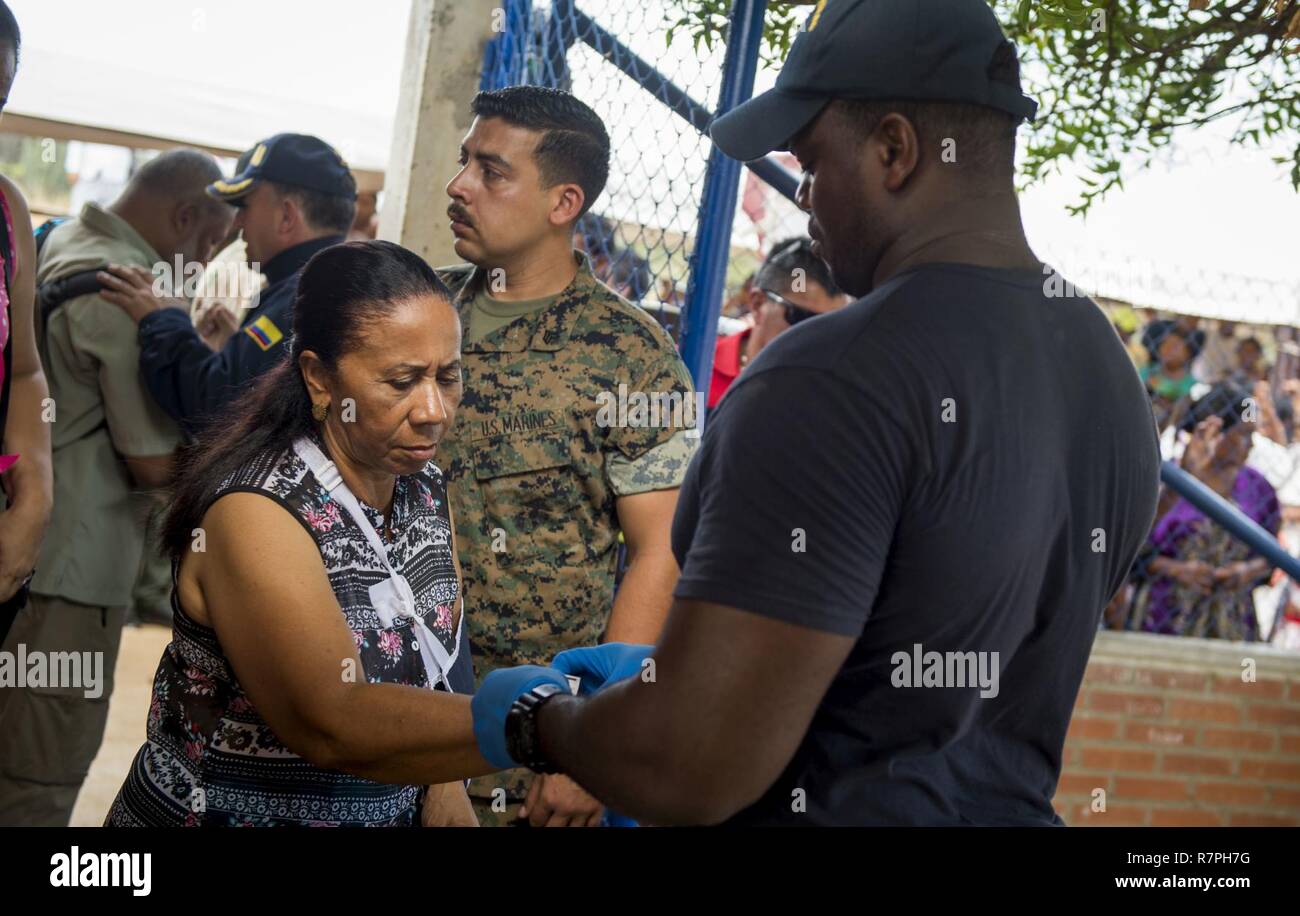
[319, 671]
[1201, 576]
[25, 465]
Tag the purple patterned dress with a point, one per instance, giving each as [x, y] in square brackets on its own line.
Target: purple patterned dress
[1184, 533]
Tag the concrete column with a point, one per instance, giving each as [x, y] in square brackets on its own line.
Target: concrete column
[444, 58]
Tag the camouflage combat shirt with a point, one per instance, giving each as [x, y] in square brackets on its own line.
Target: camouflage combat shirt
[534, 466]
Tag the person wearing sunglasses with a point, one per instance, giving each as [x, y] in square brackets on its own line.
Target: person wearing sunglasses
[791, 286]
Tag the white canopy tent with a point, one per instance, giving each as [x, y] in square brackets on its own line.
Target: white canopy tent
[58, 96]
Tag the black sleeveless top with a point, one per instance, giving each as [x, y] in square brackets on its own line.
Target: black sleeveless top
[210, 759]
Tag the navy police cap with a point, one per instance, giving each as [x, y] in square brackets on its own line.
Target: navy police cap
[298, 160]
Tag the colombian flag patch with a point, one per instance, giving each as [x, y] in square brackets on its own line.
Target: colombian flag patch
[264, 333]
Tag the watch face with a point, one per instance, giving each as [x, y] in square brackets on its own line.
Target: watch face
[522, 741]
[517, 745]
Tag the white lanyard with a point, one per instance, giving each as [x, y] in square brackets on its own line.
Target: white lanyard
[393, 597]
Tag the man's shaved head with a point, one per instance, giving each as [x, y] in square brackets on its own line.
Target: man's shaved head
[167, 203]
[176, 174]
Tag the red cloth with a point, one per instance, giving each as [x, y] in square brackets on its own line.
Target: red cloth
[726, 364]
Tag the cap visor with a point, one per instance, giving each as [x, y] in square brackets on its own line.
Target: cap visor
[230, 190]
[765, 123]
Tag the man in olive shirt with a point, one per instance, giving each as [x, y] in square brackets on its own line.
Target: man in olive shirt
[110, 439]
[545, 470]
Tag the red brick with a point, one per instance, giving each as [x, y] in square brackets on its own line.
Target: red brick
[1264, 820]
[1250, 768]
[1274, 714]
[1092, 727]
[1293, 691]
[1170, 679]
[1267, 689]
[1290, 744]
[1196, 763]
[1289, 798]
[1146, 705]
[1232, 793]
[1113, 759]
[1108, 674]
[1204, 711]
[1081, 783]
[1149, 733]
[1133, 787]
[1183, 817]
[1238, 739]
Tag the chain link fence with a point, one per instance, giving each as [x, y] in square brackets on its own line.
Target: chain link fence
[615, 56]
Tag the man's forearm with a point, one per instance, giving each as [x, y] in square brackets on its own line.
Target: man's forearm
[619, 746]
[643, 599]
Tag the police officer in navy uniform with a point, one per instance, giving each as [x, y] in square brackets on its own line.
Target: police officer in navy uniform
[296, 197]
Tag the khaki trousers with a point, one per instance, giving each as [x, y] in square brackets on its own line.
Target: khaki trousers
[50, 734]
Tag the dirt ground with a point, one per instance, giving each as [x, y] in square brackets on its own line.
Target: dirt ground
[137, 660]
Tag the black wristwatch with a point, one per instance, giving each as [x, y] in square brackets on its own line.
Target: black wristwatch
[522, 740]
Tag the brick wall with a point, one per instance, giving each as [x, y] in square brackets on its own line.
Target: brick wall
[1171, 732]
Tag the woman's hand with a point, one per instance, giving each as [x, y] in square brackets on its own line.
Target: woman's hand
[1196, 573]
[1198, 457]
[1239, 574]
[447, 805]
[1269, 423]
[1229, 576]
[131, 290]
[20, 543]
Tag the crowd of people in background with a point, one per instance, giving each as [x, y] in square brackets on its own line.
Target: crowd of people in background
[1228, 418]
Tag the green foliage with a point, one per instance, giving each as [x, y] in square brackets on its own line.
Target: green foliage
[41, 176]
[1116, 80]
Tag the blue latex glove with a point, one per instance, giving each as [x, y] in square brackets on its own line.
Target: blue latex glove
[600, 666]
[493, 700]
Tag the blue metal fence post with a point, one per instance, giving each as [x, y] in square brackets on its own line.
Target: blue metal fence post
[718, 204]
[504, 55]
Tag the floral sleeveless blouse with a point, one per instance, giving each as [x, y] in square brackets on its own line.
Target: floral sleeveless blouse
[210, 759]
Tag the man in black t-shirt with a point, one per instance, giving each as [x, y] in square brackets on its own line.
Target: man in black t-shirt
[906, 517]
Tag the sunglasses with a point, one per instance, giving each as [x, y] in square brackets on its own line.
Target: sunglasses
[793, 313]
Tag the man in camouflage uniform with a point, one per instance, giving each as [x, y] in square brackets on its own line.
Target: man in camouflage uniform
[545, 469]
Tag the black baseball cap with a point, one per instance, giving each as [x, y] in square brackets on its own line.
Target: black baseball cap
[888, 50]
[299, 160]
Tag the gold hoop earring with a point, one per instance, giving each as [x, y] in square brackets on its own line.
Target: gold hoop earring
[319, 412]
